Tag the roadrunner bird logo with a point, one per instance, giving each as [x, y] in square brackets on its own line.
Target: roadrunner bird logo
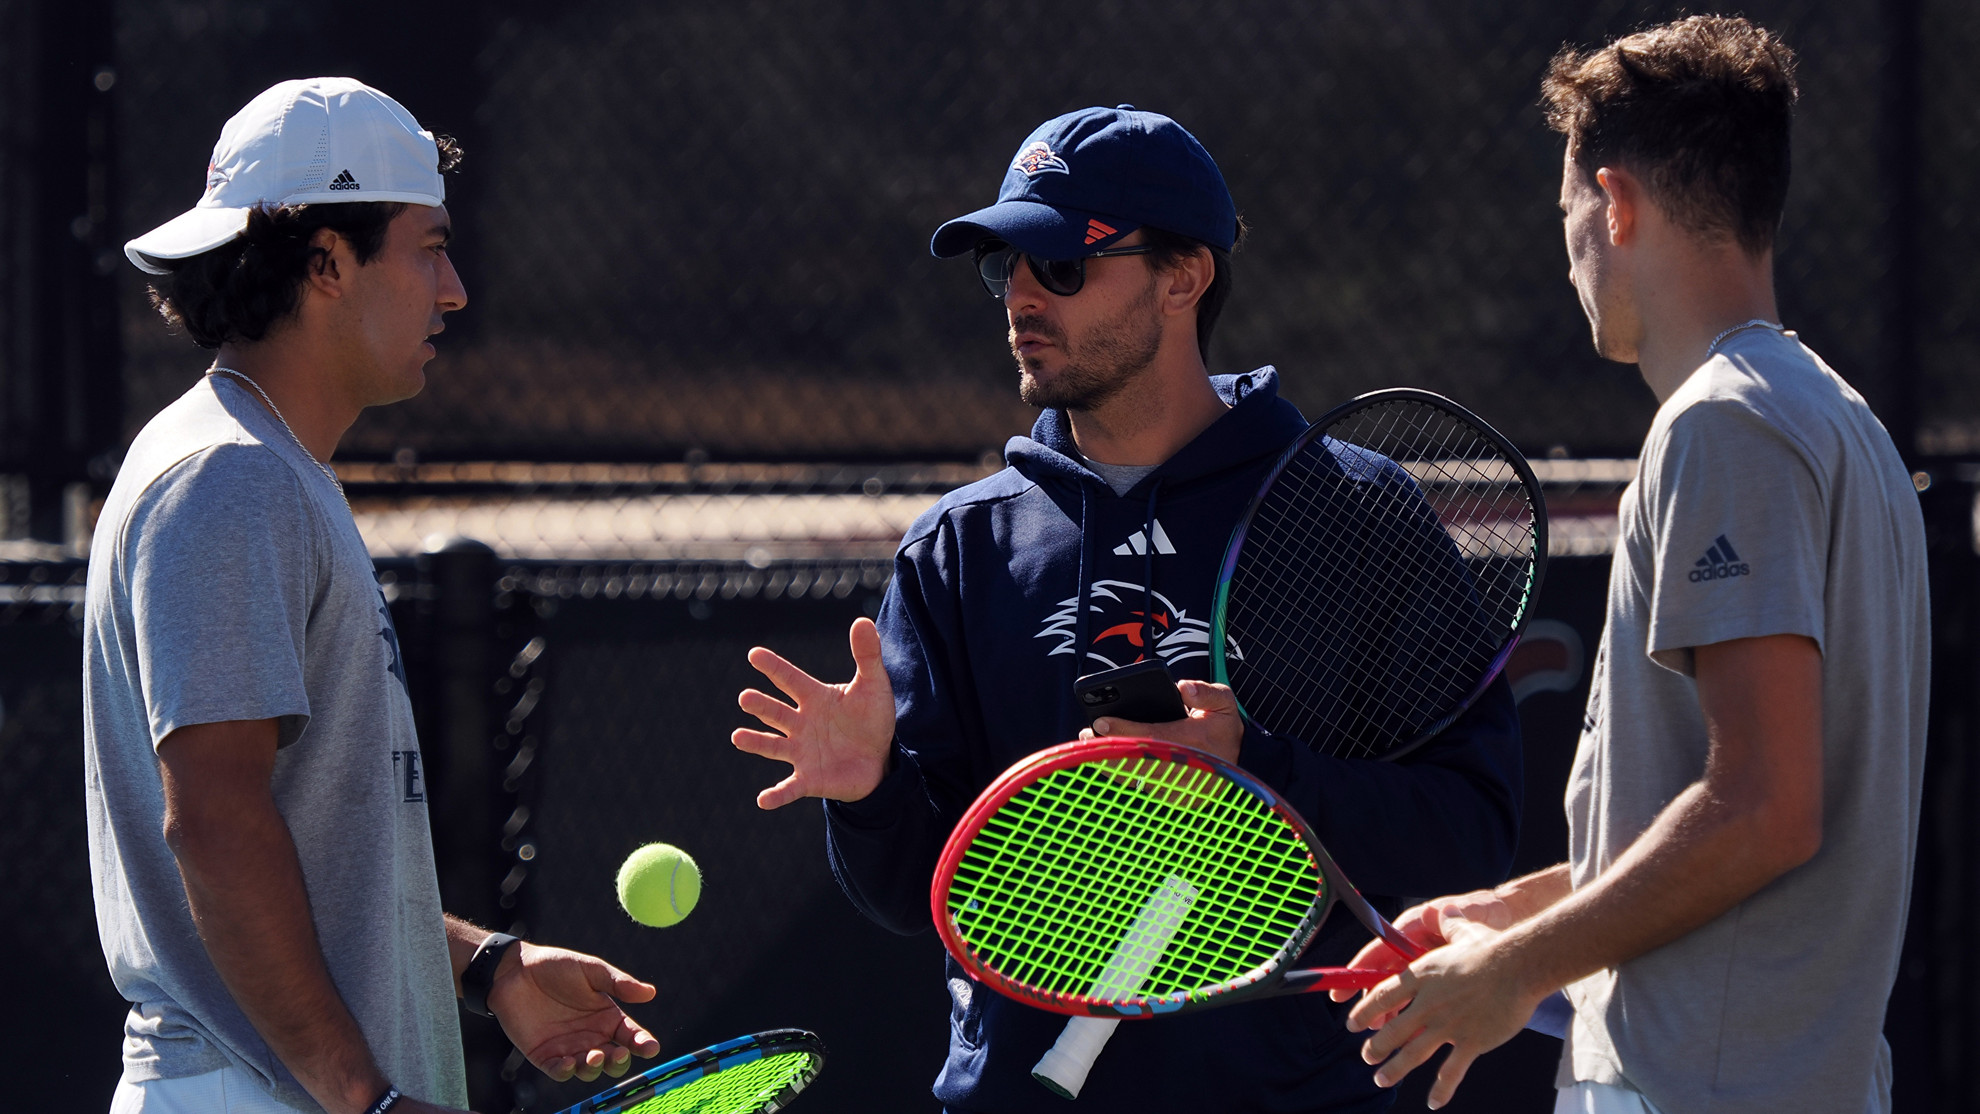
[1117, 627]
[1039, 158]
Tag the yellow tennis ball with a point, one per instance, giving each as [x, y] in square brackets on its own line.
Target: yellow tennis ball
[659, 884]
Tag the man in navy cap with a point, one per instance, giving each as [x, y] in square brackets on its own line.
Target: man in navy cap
[1110, 248]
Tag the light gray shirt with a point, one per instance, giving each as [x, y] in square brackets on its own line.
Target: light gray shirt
[1121, 477]
[228, 582]
[1768, 500]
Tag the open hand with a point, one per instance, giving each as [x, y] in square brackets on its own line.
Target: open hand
[559, 1008]
[837, 737]
[1463, 994]
[1213, 722]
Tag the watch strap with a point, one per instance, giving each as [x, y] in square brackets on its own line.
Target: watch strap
[479, 977]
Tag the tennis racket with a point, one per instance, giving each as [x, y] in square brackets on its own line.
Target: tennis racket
[755, 1074]
[1116, 878]
[1381, 577]
[1376, 584]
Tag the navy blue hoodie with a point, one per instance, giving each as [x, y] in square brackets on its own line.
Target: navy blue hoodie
[981, 631]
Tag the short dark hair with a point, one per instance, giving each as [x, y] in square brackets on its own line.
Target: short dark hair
[1170, 248]
[240, 289]
[1701, 108]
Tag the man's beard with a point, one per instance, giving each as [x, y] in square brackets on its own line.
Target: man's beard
[1108, 360]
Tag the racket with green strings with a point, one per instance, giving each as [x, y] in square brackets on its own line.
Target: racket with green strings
[1130, 878]
[755, 1074]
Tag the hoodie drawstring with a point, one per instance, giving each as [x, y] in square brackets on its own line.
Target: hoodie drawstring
[1148, 576]
[1080, 603]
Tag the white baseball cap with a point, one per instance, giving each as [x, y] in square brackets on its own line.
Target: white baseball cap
[320, 139]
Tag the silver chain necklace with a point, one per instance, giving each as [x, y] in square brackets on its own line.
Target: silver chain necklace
[1756, 323]
[286, 428]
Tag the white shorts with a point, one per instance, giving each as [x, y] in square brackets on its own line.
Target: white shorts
[230, 1090]
[1601, 1098]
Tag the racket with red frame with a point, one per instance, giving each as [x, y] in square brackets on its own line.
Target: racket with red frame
[1128, 878]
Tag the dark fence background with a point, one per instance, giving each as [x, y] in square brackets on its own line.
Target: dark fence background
[688, 227]
[694, 238]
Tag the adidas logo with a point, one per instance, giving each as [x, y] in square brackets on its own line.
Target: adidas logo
[1719, 563]
[344, 181]
[1137, 544]
[1096, 232]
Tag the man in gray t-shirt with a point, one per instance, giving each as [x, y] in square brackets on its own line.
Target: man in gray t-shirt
[1744, 804]
[259, 840]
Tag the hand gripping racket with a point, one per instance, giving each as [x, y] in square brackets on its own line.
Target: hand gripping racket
[755, 1074]
[1380, 578]
[1120, 878]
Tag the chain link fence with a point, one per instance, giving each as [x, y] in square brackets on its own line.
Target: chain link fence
[709, 374]
[689, 228]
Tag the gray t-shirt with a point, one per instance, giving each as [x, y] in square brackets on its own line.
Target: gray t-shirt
[1121, 477]
[1768, 501]
[228, 582]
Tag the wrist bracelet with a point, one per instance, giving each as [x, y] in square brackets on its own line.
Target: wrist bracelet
[385, 1102]
[479, 977]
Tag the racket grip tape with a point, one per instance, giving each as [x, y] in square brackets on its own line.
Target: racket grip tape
[1064, 1066]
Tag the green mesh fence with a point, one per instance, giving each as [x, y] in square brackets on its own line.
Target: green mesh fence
[1129, 879]
[752, 1088]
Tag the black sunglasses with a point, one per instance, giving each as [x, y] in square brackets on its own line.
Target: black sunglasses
[996, 262]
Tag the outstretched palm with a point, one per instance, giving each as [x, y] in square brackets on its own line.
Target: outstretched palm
[836, 738]
[561, 1008]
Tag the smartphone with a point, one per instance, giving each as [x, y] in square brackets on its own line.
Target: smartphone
[1143, 693]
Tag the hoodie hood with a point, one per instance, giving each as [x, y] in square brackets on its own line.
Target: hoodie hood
[1259, 423]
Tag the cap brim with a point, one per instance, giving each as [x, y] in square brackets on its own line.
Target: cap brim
[186, 235]
[1032, 227]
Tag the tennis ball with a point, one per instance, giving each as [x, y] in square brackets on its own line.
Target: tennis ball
[659, 884]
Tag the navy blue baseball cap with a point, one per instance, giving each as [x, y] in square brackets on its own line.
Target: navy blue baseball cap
[1088, 178]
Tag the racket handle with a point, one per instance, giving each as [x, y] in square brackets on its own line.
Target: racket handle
[1331, 978]
[1063, 1068]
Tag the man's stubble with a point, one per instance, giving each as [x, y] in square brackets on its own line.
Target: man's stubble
[1104, 363]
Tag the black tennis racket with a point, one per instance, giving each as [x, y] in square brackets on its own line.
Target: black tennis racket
[1381, 576]
[755, 1074]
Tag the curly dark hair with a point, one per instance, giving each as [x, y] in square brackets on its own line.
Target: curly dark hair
[1701, 108]
[1170, 247]
[240, 289]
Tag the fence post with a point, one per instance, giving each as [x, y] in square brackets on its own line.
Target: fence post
[460, 576]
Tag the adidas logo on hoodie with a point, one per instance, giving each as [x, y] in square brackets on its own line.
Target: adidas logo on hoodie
[1137, 543]
[1719, 563]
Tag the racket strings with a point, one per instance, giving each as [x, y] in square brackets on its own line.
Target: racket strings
[1373, 700]
[756, 1087]
[1093, 907]
[1390, 560]
[1051, 892]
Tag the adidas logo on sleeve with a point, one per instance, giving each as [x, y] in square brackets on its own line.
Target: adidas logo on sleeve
[1719, 563]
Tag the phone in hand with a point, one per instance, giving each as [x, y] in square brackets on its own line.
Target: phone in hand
[1142, 692]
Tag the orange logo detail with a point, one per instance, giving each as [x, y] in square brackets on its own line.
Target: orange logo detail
[1096, 232]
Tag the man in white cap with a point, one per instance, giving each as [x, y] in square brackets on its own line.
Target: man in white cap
[259, 841]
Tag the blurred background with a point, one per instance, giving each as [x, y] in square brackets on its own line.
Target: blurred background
[709, 373]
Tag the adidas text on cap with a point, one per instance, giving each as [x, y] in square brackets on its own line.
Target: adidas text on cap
[321, 139]
[1088, 178]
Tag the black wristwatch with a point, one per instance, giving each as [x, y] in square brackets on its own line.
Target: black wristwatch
[479, 978]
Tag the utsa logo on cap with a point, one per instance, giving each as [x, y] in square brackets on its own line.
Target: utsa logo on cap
[1039, 158]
